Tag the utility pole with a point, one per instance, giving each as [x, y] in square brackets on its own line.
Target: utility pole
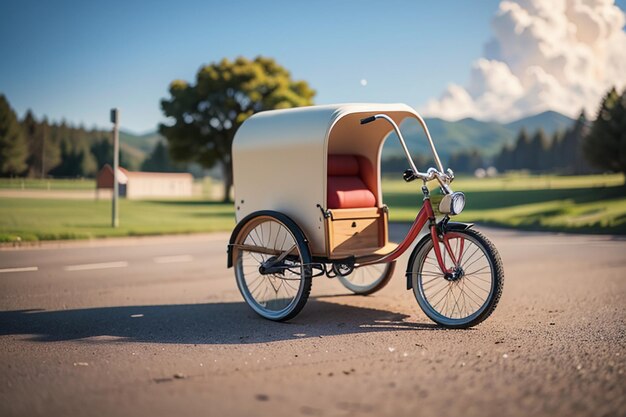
[115, 119]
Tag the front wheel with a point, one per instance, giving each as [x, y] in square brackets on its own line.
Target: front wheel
[468, 290]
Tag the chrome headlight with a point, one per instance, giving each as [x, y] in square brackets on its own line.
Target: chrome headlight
[452, 203]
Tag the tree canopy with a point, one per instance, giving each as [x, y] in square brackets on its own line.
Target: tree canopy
[205, 116]
[605, 146]
[562, 153]
[13, 146]
[159, 160]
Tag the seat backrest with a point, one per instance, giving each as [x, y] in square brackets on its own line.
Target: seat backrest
[347, 179]
[343, 166]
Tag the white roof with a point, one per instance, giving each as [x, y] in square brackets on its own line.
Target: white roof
[295, 126]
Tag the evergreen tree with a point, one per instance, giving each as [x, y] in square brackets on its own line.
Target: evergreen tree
[538, 152]
[31, 131]
[102, 150]
[76, 157]
[605, 145]
[466, 161]
[159, 160]
[13, 145]
[504, 160]
[521, 158]
[51, 154]
[575, 162]
[43, 153]
[398, 163]
[557, 159]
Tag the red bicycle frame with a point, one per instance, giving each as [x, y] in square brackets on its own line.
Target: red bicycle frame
[426, 214]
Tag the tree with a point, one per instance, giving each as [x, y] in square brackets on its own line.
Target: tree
[522, 158]
[504, 160]
[571, 147]
[605, 145]
[466, 161]
[397, 164]
[204, 117]
[159, 160]
[51, 154]
[30, 128]
[43, 153]
[538, 152]
[102, 150]
[13, 146]
[77, 160]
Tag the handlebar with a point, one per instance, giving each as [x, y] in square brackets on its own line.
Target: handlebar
[431, 174]
[368, 120]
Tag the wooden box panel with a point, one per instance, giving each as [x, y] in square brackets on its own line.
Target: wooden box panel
[355, 231]
[349, 235]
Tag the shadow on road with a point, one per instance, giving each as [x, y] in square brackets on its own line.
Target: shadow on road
[218, 323]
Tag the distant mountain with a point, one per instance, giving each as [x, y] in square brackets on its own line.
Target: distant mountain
[137, 148]
[468, 133]
[449, 137]
[549, 121]
[144, 143]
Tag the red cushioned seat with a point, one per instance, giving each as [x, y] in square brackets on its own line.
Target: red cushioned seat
[345, 188]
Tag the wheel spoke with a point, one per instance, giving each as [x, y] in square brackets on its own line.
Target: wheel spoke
[454, 298]
[273, 295]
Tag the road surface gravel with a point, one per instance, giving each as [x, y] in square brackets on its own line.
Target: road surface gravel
[157, 327]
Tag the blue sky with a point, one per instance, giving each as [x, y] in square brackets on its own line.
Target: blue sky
[76, 60]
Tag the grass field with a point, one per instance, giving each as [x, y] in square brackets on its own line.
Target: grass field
[583, 204]
[37, 219]
[586, 204]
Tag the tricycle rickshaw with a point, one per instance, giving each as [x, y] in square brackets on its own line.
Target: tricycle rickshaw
[309, 203]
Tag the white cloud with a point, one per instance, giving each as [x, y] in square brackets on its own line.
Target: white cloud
[560, 55]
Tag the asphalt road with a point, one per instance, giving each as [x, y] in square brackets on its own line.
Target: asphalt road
[157, 327]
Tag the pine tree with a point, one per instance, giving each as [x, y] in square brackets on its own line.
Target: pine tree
[77, 159]
[466, 161]
[538, 151]
[605, 145]
[504, 160]
[13, 146]
[160, 161]
[51, 154]
[576, 162]
[29, 127]
[556, 159]
[521, 158]
[102, 150]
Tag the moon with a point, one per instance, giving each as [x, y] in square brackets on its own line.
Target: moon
[363, 82]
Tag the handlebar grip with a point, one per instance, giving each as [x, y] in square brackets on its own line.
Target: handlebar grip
[368, 120]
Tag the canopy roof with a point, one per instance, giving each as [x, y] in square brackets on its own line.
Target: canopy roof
[308, 126]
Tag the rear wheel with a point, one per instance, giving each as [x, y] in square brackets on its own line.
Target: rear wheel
[272, 267]
[467, 292]
[368, 279]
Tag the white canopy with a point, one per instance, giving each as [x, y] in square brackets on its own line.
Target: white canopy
[280, 157]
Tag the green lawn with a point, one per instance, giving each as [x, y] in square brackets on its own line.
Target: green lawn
[38, 219]
[587, 204]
